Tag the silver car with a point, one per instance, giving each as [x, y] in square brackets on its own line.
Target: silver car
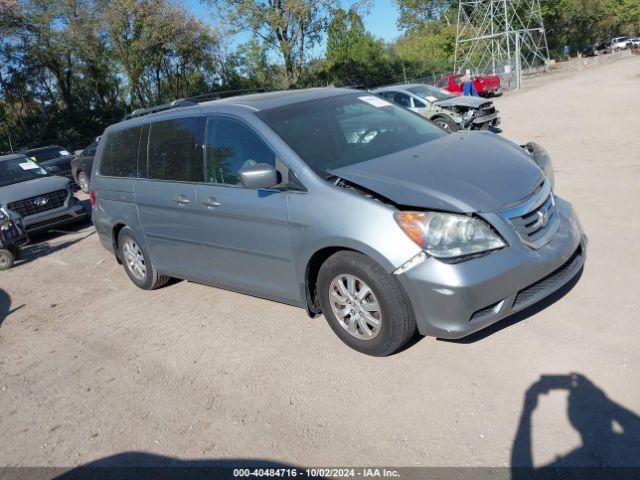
[448, 111]
[341, 203]
[41, 199]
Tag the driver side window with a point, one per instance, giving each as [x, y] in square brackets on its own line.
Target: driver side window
[229, 146]
[402, 99]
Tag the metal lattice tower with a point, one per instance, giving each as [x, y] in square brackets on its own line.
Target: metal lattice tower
[500, 36]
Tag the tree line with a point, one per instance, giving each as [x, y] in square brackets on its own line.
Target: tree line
[69, 68]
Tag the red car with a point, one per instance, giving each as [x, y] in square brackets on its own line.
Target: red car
[488, 86]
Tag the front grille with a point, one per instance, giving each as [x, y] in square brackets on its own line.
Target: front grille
[487, 109]
[64, 167]
[534, 225]
[549, 282]
[40, 203]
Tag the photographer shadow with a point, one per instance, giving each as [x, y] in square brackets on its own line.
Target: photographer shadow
[610, 433]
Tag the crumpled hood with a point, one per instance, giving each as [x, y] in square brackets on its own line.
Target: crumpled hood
[32, 188]
[465, 101]
[460, 172]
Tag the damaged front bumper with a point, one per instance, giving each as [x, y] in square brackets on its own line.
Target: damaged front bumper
[455, 300]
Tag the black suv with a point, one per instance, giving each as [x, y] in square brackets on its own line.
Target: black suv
[81, 166]
[52, 156]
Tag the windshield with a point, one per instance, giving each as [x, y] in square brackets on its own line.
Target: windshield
[429, 93]
[19, 170]
[45, 154]
[339, 131]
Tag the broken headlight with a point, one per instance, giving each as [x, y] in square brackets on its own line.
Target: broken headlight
[448, 235]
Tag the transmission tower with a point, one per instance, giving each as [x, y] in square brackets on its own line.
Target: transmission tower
[505, 37]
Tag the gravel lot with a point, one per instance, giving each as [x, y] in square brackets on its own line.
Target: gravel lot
[91, 366]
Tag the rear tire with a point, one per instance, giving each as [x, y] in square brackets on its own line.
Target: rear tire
[137, 262]
[394, 323]
[7, 259]
[446, 124]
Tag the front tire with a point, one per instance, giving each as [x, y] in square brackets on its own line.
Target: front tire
[365, 305]
[137, 262]
[7, 259]
[446, 124]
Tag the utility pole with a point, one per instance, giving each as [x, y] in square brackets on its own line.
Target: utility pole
[504, 37]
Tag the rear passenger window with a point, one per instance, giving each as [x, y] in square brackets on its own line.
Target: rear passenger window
[175, 150]
[120, 153]
[229, 146]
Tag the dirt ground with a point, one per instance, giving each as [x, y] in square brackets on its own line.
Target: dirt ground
[91, 366]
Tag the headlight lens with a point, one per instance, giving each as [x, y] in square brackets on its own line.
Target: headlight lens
[447, 235]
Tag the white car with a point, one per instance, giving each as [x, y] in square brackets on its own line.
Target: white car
[635, 42]
[619, 43]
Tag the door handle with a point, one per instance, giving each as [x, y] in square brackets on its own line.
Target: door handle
[181, 200]
[211, 203]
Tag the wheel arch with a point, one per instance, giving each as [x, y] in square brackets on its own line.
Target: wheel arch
[115, 231]
[317, 259]
[444, 115]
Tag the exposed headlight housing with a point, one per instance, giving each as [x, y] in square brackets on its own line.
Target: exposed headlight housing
[542, 159]
[448, 235]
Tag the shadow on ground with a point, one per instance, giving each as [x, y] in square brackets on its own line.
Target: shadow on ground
[610, 434]
[41, 244]
[5, 306]
[147, 466]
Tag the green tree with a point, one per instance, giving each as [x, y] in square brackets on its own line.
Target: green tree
[579, 23]
[291, 27]
[417, 14]
[354, 56]
[164, 52]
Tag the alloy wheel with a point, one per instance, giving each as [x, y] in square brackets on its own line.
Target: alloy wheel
[355, 306]
[134, 259]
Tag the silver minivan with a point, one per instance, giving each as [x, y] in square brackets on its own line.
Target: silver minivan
[339, 202]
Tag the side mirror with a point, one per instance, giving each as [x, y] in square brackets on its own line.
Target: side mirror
[52, 169]
[258, 175]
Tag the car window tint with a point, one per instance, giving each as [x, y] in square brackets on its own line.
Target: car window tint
[120, 153]
[90, 151]
[402, 99]
[229, 146]
[334, 132]
[175, 150]
[418, 104]
[142, 151]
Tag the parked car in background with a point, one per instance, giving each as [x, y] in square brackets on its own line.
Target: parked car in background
[487, 86]
[12, 237]
[340, 202]
[635, 42]
[448, 111]
[52, 156]
[590, 51]
[81, 166]
[620, 43]
[41, 199]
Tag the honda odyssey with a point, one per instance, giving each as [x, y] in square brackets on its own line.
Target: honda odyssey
[339, 202]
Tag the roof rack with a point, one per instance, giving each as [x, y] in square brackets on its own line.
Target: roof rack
[190, 101]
